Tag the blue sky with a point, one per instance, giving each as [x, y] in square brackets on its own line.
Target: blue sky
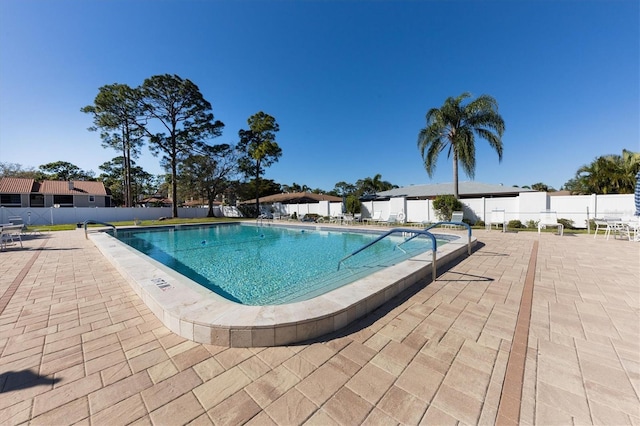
[349, 82]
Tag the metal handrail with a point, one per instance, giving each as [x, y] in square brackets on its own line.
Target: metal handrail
[397, 230]
[95, 222]
[447, 223]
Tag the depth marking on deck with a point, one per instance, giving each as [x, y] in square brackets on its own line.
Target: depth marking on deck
[511, 397]
[8, 294]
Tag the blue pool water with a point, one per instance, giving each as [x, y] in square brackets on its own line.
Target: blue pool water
[270, 265]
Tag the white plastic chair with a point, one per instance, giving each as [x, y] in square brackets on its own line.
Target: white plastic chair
[497, 218]
[9, 233]
[455, 217]
[547, 219]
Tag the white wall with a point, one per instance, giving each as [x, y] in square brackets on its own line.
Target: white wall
[525, 207]
[53, 216]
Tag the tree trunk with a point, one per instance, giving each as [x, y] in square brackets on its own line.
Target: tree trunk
[210, 201]
[257, 188]
[455, 175]
[174, 187]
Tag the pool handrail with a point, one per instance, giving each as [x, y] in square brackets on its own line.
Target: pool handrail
[447, 223]
[402, 230]
[96, 222]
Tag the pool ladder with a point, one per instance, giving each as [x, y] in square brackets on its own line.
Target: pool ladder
[95, 222]
[414, 233]
[402, 231]
[446, 223]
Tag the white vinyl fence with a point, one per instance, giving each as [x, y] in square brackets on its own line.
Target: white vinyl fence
[525, 207]
[56, 216]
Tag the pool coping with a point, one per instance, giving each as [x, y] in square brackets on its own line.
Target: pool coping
[197, 313]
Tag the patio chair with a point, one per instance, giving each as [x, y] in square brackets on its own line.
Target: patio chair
[8, 233]
[606, 224]
[497, 218]
[455, 217]
[347, 219]
[391, 220]
[377, 217]
[549, 219]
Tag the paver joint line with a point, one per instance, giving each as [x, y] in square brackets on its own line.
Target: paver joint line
[514, 374]
[8, 294]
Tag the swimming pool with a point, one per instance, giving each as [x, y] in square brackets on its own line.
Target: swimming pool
[199, 314]
[258, 265]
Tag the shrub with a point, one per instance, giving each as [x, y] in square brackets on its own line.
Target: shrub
[566, 223]
[532, 224]
[445, 205]
[310, 217]
[479, 223]
[353, 204]
[515, 224]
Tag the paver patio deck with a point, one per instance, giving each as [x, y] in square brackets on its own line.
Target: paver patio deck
[77, 345]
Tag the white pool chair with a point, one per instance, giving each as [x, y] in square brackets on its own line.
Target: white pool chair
[455, 217]
[391, 220]
[497, 218]
[377, 217]
[9, 233]
[549, 219]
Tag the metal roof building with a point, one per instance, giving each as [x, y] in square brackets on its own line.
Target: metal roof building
[465, 189]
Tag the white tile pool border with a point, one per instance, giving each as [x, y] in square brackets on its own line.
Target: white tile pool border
[197, 313]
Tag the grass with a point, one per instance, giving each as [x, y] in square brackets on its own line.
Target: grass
[168, 221]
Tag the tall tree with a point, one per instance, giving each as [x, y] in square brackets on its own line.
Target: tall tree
[117, 111]
[455, 126]
[342, 189]
[185, 121]
[140, 182]
[63, 170]
[15, 170]
[259, 147]
[607, 174]
[208, 173]
[371, 185]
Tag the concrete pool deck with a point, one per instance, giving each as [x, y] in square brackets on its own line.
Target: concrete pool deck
[196, 313]
[77, 345]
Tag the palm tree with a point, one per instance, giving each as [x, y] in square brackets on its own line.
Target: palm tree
[371, 185]
[608, 174]
[457, 125]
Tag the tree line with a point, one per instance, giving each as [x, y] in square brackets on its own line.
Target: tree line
[171, 115]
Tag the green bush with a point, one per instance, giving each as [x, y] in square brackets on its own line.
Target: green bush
[353, 204]
[567, 223]
[479, 223]
[445, 205]
[515, 224]
[533, 224]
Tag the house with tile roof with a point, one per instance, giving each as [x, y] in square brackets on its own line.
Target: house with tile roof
[21, 192]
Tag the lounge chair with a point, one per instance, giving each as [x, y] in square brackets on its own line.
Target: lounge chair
[456, 217]
[497, 218]
[547, 219]
[391, 220]
[377, 217]
[10, 232]
[606, 224]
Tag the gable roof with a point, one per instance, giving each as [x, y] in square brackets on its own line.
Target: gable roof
[465, 189]
[9, 185]
[55, 187]
[76, 187]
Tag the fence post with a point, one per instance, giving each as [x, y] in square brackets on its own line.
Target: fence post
[588, 222]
